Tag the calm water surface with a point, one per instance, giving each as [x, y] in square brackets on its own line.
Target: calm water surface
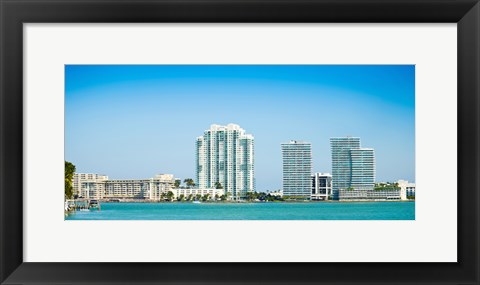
[251, 211]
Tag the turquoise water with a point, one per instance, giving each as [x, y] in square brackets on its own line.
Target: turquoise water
[251, 211]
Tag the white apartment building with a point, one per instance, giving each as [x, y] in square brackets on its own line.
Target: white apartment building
[197, 191]
[297, 168]
[321, 186]
[89, 185]
[407, 189]
[225, 155]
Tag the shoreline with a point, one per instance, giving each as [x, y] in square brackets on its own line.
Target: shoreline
[244, 202]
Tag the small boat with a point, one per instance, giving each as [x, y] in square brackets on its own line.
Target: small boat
[197, 202]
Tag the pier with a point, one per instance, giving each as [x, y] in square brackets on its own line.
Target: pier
[82, 205]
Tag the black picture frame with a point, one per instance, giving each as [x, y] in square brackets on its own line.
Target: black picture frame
[466, 13]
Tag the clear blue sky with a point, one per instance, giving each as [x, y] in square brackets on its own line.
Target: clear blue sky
[134, 121]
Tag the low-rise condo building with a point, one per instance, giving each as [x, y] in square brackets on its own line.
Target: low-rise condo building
[407, 189]
[321, 186]
[89, 185]
[212, 193]
[368, 195]
[94, 186]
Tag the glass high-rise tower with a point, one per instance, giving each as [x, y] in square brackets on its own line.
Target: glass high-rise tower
[225, 155]
[297, 168]
[363, 168]
[353, 167]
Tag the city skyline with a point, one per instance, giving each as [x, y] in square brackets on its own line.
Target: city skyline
[137, 121]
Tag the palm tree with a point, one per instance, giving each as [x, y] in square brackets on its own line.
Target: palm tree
[170, 196]
[189, 182]
[69, 172]
[205, 197]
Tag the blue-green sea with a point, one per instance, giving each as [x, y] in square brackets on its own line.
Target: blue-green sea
[251, 211]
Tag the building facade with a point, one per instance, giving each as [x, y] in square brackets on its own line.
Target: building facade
[363, 168]
[342, 161]
[89, 185]
[297, 169]
[192, 192]
[151, 188]
[94, 186]
[225, 155]
[368, 195]
[407, 188]
[321, 186]
[353, 167]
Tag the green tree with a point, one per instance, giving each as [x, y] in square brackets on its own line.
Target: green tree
[177, 183]
[198, 197]
[216, 197]
[223, 198]
[163, 196]
[218, 185]
[170, 195]
[181, 198]
[190, 197]
[189, 182]
[205, 197]
[69, 171]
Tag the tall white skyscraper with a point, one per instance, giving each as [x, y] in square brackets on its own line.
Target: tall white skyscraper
[297, 168]
[353, 167]
[225, 155]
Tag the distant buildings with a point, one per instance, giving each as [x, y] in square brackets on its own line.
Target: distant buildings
[342, 161]
[225, 168]
[363, 168]
[193, 192]
[372, 195]
[321, 186]
[89, 185]
[353, 167]
[297, 168]
[94, 186]
[225, 156]
[407, 189]
[276, 193]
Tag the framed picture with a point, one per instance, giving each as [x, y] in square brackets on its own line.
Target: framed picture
[239, 142]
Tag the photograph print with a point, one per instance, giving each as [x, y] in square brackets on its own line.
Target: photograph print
[239, 142]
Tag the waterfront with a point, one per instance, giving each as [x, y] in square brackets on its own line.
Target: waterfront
[251, 211]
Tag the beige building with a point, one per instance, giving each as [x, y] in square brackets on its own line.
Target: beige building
[89, 185]
[94, 186]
